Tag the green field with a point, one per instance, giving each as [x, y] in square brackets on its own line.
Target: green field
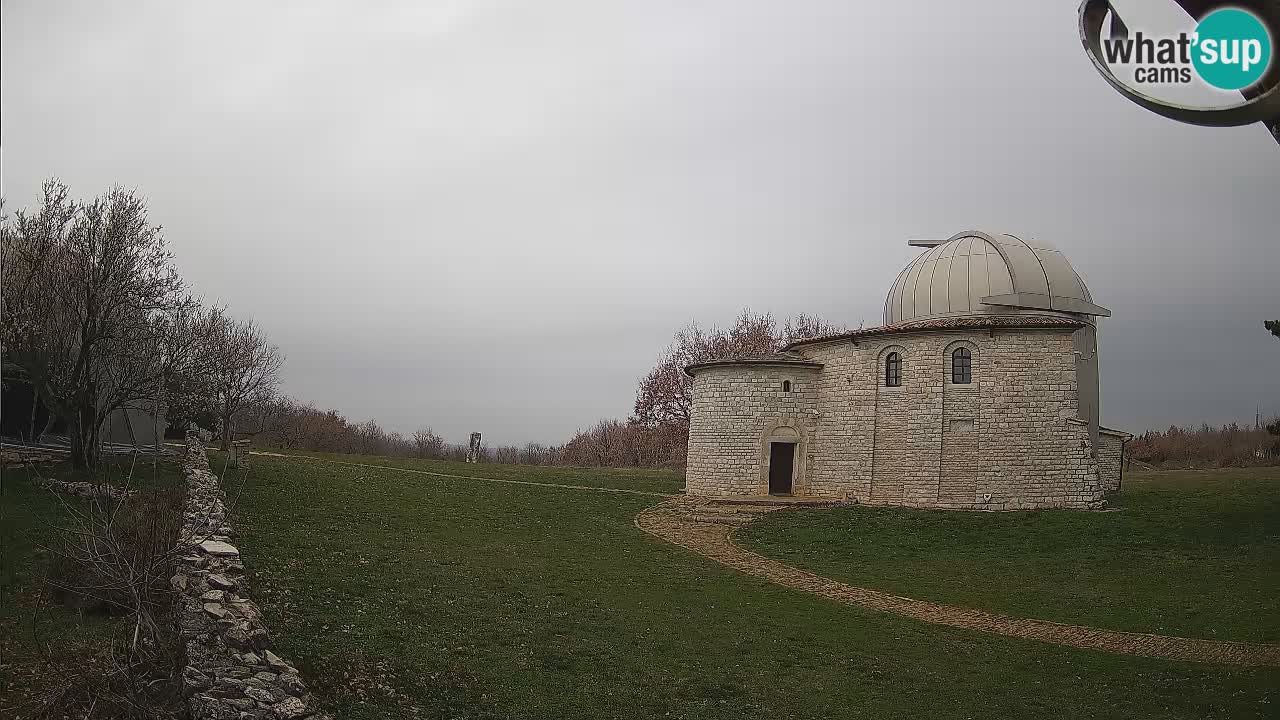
[1191, 553]
[414, 595]
[658, 481]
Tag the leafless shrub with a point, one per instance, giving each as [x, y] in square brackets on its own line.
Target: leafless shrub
[427, 444]
[614, 443]
[109, 683]
[118, 556]
[115, 555]
[1226, 446]
[288, 424]
[536, 454]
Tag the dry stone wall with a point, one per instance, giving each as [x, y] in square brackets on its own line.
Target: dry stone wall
[86, 489]
[231, 672]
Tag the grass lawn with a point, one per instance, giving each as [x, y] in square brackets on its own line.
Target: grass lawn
[660, 481]
[1191, 553]
[40, 637]
[419, 596]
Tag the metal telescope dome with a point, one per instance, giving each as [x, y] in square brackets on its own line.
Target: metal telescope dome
[977, 273]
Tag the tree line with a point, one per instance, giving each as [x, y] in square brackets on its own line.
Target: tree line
[1230, 445]
[655, 436]
[289, 424]
[97, 319]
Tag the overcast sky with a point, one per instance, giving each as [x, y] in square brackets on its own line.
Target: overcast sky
[493, 215]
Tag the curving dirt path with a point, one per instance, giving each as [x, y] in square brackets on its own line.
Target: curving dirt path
[674, 521]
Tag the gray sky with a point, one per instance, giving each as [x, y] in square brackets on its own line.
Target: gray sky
[493, 215]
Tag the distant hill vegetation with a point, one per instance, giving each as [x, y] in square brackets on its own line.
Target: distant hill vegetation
[1203, 447]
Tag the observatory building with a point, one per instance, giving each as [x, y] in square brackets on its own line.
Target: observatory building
[980, 391]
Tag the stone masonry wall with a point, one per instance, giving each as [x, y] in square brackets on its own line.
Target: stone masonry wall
[1110, 458]
[961, 456]
[733, 409]
[1033, 455]
[1002, 442]
[231, 672]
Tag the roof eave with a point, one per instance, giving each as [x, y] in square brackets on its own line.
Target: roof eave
[690, 370]
[1029, 324]
[1034, 301]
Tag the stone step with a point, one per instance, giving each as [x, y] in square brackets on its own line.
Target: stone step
[737, 520]
[773, 501]
[738, 509]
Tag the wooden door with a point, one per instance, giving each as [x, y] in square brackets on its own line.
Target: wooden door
[782, 457]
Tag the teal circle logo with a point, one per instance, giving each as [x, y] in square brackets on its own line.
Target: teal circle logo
[1232, 49]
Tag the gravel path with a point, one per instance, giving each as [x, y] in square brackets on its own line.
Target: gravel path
[673, 521]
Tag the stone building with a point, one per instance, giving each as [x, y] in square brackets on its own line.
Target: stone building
[980, 391]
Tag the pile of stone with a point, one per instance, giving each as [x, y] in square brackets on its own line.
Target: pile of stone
[85, 489]
[231, 672]
[20, 455]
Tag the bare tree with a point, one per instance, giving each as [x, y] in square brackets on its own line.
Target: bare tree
[665, 395]
[506, 454]
[804, 327]
[247, 370]
[427, 444]
[286, 423]
[534, 454]
[187, 361]
[602, 436]
[89, 289]
[370, 438]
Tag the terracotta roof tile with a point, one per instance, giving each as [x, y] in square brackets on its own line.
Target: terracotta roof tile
[950, 323]
[778, 358]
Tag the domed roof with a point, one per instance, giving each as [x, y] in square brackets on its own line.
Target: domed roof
[976, 273]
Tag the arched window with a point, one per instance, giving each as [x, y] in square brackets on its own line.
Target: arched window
[961, 366]
[786, 386]
[893, 370]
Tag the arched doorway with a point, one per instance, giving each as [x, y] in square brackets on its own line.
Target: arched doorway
[781, 446]
[782, 461]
